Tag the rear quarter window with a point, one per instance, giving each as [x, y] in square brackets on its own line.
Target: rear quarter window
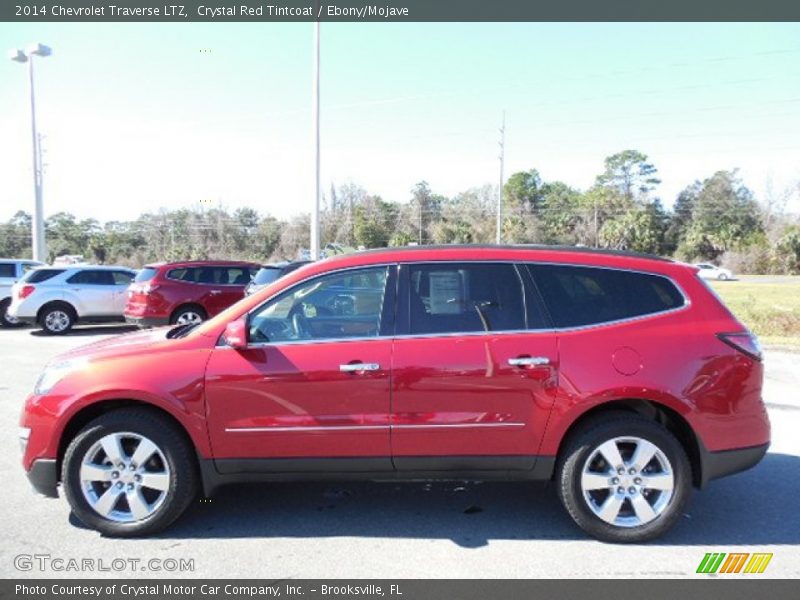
[579, 296]
[40, 275]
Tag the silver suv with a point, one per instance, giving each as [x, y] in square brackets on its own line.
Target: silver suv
[11, 271]
[55, 298]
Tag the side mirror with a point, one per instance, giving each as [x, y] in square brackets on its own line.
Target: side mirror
[235, 334]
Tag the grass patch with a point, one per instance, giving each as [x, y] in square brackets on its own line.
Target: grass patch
[770, 310]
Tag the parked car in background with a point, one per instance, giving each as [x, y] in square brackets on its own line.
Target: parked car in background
[622, 378]
[709, 271]
[272, 272]
[186, 292]
[55, 298]
[11, 271]
[69, 259]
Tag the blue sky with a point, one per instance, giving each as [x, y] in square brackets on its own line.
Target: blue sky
[141, 116]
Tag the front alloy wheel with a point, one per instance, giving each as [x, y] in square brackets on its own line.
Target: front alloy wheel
[624, 478]
[130, 472]
[125, 477]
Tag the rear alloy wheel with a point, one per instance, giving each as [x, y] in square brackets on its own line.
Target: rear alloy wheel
[7, 320]
[625, 479]
[188, 316]
[57, 320]
[130, 472]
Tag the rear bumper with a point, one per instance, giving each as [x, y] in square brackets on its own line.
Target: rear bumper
[147, 321]
[727, 462]
[44, 477]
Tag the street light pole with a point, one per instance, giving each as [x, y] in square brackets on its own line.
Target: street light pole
[39, 243]
[315, 120]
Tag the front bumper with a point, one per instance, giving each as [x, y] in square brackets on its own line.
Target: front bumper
[727, 462]
[44, 477]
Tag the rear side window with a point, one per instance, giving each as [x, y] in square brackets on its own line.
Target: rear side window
[145, 274]
[40, 275]
[92, 278]
[577, 296]
[183, 274]
[8, 270]
[464, 298]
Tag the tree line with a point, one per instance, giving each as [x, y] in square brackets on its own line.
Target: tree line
[717, 220]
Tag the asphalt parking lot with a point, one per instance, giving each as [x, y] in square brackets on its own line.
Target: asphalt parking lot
[390, 530]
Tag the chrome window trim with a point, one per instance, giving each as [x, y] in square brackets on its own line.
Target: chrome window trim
[685, 306]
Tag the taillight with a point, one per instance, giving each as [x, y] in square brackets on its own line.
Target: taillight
[746, 343]
[25, 291]
[147, 288]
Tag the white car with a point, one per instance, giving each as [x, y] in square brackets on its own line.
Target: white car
[709, 271]
[55, 298]
[11, 271]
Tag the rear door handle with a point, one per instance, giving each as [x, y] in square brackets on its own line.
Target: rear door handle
[529, 361]
[215, 292]
[358, 366]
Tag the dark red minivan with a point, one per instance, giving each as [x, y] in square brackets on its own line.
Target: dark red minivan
[620, 377]
[185, 292]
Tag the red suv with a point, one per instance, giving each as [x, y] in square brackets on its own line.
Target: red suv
[179, 293]
[621, 377]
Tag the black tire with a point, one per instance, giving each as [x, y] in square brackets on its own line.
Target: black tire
[57, 318]
[4, 322]
[174, 447]
[582, 446]
[186, 310]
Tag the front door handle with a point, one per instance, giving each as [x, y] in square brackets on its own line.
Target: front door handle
[215, 292]
[358, 366]
[529, 361]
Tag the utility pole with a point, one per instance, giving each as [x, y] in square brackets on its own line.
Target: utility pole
[500, 189]
[314, 250]
[419, 240]
[39, 244]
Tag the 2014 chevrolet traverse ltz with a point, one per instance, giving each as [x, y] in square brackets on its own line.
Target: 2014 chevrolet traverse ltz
[620, 377]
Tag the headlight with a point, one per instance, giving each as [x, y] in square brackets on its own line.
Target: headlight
[54, 373]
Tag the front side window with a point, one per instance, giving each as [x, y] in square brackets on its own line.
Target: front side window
[336, 306]
[465, 297]
[578, 296]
